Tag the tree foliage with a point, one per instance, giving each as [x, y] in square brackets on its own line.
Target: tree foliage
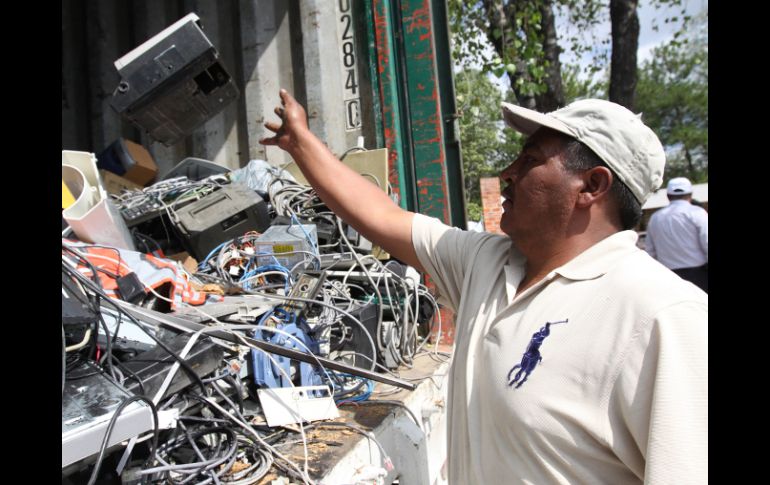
[518, 39]
[487, 148]
[577, 86]
[522, 35]
[672, 94]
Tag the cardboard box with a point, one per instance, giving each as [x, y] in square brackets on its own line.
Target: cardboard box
[188, 262]
[129, 160]
[115, 184]
[139, 164]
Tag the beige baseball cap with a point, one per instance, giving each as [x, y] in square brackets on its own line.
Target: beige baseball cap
[618, 136]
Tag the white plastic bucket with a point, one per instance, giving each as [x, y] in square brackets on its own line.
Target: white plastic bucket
[85, 195]
[93, 217]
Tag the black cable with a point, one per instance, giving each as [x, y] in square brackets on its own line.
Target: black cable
[91, 354]
[144, 237]
[117, 251]
[108, 348]
[203, 420]
[111, 426]
[229, 379]
[138, 237]
[198, 452]
[238, 412]
[63, 359]
[184, 365]
[91, 302]
[350, 392]
[108, 273]
[217, 457]
[117, 329]
[130, 374]
[85, 261]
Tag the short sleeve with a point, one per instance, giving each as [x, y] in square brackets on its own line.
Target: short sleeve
[446, 254]
[660, 398]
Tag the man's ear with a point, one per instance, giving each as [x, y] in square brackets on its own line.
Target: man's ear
[596, 186]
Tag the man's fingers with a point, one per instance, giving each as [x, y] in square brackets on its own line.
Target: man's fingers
[280, 111]
[286, 98]
[273, 126]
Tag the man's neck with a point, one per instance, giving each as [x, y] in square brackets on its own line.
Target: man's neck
[539, 267]
[544, 259]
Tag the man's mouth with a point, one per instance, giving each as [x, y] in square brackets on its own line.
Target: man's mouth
[507, 195]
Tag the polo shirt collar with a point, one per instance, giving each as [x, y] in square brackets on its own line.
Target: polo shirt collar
[591, 263]
[514, 271]
[599, 258]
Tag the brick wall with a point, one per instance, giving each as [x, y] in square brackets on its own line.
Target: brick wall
[490, 203]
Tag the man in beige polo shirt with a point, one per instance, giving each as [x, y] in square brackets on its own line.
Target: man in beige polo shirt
[579, 358]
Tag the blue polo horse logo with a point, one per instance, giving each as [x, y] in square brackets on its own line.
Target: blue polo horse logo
[532, 356]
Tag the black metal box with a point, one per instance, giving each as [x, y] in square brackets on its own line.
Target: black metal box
[173, 83]
[222, 215]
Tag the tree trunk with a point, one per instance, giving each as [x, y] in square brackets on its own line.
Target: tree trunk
[625, 41]
[553, 98]
[690, 167]
[501, 15]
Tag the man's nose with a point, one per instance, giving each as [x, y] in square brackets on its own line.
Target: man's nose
[508, 173]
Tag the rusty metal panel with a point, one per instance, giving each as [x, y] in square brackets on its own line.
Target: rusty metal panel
[385, 57]
[449, 116]
[425, 110]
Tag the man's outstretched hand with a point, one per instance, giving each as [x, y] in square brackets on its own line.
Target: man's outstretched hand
[293, 123]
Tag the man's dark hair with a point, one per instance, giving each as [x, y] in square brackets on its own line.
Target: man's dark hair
[581, 158]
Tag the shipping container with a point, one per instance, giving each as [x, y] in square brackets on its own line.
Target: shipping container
[377, 69]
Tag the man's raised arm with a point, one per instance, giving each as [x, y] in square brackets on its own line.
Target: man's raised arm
[356, 200]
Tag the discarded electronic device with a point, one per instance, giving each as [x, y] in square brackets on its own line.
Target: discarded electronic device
[286, 405]
[173, 83]
[88, 405]
[225, 214]
[287, 245]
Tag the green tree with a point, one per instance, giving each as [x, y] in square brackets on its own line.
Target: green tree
[522, 34]
[526, 46]
[487, 148]
[581, 87]
[672, 94]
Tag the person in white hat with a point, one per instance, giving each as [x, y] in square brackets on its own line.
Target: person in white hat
[678, 235]
[578, 358]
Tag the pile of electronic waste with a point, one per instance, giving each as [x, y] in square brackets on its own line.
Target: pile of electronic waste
[174, 369]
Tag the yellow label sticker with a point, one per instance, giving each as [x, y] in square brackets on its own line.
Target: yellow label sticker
[283, 248]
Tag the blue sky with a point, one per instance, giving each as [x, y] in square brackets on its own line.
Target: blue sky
[648, 38]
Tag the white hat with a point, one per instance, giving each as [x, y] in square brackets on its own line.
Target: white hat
[618, 136]
[679, 186]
